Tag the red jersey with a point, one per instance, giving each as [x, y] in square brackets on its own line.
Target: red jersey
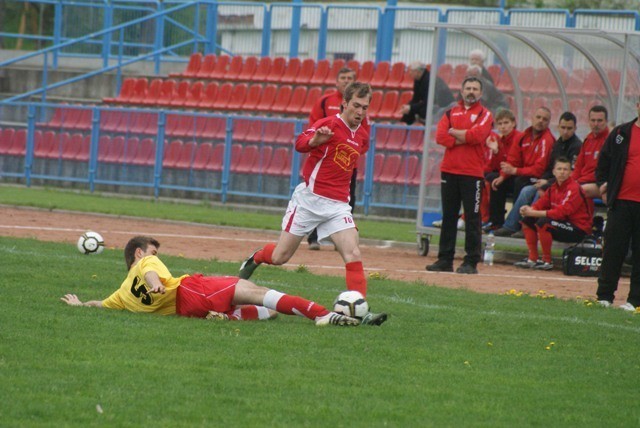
[329, 167]
[327, 106]
[531, 154]
[504, 145]
[584, 170]
[567, 202]
[468, 158]
[630, 187]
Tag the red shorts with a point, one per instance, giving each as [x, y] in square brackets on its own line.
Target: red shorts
[197, 295]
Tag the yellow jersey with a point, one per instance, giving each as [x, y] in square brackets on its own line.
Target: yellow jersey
[133, 295]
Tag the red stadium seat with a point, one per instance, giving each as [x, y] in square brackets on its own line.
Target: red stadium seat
[389, 105]
[253, 97]
[366, 72]
[457, 77]
[254, 131]
[202, 156]
[245, 163]
[280, 163]
[166, 93]
[267, 99]
[207, 66]
[146, 153]
[153, 92]
[84, 120]
[380, 75]
[291, 71]
[332, 76]
[375, 104]
[186, 126]
[72, 147]
[270, 132]
[85, 150]
[407, 170]
[186, 155]
[235, 68]
[407, 81]
[396, 76]
[43, 145]
[263, 160]
[495, 71]
[286, 134]
[139, 92]
[526, 78]
[263, 70]
[415, 139]
[354, 65]
[381, 137]
[126, 90]
[405, 97]
[220, 69]
[180, 94]
[283, 97]
[248, 68]
[240, 129]
[116, 150]
[194, 96]
[297, 101]
[307, 69]
[312, 96]
[277, 69]
[171, 125]
[214, 128]
[19, 143]
[390, 169]
[396, 139]
[320, 73]
[237, 97]
[104, 144]
[209, 96]
[216, 160]
[130, 151]
[172, 154]
[193, 66]
[223, 97]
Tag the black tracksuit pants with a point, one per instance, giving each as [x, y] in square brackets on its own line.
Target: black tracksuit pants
[466, 191]
[623, 226]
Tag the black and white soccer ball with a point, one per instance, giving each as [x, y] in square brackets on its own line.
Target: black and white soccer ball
[352, 304]
[90, 243]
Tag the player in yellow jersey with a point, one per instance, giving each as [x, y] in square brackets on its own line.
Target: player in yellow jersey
[150, 287]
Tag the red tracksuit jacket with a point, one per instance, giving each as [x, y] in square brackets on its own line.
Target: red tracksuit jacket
[567, 203]
[531, 155]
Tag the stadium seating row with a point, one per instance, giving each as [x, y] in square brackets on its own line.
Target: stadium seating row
[270, 99]
[294, 71]
[392, 168]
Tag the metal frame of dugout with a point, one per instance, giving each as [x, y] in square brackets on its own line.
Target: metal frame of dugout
[594, 49]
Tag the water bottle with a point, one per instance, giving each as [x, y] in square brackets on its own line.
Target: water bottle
[489, 248]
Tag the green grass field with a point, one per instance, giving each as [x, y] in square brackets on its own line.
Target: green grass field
[445, 358]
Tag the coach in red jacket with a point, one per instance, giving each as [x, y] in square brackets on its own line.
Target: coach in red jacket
[463, 130]
[562, 213]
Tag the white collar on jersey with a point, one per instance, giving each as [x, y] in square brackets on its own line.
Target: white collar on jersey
[353, 131]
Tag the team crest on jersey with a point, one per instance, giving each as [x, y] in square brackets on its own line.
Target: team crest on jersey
[345, 156]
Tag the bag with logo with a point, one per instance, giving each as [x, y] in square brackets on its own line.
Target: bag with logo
[582, 259]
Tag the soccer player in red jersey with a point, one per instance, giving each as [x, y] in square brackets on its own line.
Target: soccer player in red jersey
[150, 288]
[327, 106]
[334, 145]
[562, 213]
[584, 171]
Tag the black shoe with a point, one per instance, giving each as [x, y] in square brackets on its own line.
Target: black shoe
[440, 266]
[503, 231]
[247, 267]
[467, 269]
[519, 235]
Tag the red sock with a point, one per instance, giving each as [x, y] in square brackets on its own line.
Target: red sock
[293, 305]
[355, 278]
[264, 255]
[531, 236]
[546, 240]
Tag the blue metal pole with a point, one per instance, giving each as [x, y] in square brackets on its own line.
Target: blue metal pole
[226, 166]
[389, 30]
[294, 40]
[211, 30]
[106, 37]
[157, 169]
[295, 161]
[380, 38]
[322, 34]
[31, 130]
[159, 42]
[57, 30]
[266, 32]
[93, 148]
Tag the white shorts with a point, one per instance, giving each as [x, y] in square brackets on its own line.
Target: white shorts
[307, 211]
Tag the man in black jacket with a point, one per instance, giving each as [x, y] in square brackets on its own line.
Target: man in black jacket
[417, 107]
[619, 182]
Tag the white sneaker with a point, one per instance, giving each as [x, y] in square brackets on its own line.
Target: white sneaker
[333, 318]
[628, 307]
[460, 224]
[604, 303]
[437, 223]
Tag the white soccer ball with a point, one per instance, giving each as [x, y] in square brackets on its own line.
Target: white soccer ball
[352, 304]
[90, 243]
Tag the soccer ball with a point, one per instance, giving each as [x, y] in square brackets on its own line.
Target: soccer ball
[90, 243]
[352, 304]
